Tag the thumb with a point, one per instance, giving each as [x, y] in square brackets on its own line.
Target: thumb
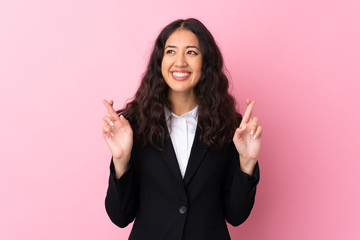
[238, 133]
[124, 121]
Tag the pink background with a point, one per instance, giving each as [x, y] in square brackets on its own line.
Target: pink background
[58, 60]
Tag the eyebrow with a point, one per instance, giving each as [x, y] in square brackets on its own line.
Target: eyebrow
[172, 46]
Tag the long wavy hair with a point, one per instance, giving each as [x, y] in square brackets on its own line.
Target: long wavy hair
[217, 116]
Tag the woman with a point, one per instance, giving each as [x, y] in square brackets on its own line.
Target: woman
[183, 161]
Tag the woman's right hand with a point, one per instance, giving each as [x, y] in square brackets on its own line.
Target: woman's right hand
[118, 135]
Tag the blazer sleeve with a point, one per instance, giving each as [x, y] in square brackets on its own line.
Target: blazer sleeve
[239, 189]
[121, 201]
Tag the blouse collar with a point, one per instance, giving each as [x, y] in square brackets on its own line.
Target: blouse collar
[191, 114]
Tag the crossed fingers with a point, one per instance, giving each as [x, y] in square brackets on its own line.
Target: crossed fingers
[110, 118]
[251, 124]
[111, 111]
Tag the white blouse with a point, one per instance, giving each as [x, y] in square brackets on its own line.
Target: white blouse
[182, 132]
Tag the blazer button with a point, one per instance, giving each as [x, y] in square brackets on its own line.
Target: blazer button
[182, 209]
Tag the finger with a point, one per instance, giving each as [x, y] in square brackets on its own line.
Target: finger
[253, 125]
[247, 114]
[106, 124]
[258, 133]
[126, 125]
[111, 110]
[106, 132]
[238, 133]
[108, 120]
[124, 120]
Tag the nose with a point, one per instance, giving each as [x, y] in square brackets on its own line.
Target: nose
[180, 61]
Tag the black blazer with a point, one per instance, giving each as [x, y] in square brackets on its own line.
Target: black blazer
[166, 206]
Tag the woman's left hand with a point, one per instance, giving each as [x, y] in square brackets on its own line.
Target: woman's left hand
[247, 139]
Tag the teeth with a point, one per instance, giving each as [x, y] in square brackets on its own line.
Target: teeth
[180, 74]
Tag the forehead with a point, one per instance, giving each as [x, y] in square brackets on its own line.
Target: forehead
[182, 37]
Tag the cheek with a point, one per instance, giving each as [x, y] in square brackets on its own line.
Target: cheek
[199, 68]
[163, 68]
[164, 65]
[199, 72]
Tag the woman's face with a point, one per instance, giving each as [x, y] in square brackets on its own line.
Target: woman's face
[182, 62]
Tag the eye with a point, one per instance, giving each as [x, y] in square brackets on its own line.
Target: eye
[192, 52]
[170, 51]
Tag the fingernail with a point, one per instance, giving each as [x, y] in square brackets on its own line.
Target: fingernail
[243, 127]
[254, 136]
[112, 134]
[111, 123]
[252, 132]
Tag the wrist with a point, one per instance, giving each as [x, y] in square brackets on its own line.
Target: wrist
[120, 165]
[247, 166]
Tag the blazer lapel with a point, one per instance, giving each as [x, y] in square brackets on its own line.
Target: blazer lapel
[196, 156]
[170, 159]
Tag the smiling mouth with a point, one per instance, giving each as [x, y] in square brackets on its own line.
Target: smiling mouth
[180, 76]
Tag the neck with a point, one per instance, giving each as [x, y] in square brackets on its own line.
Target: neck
[182, 103]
